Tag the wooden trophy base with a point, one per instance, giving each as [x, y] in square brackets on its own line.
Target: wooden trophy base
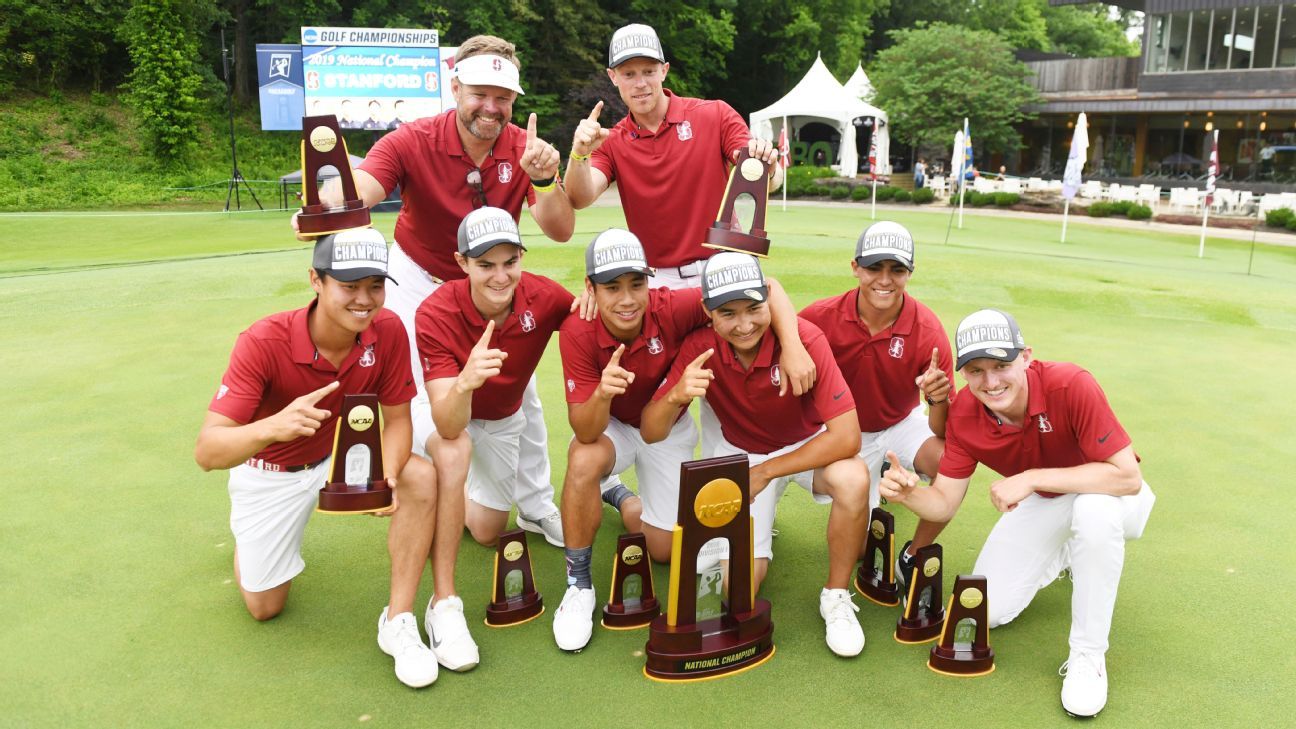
[377, 496]
[619, 617]
[711, 649]
[320, 220]
[961, 663]
[922, 630]
[724, 238]
[514, 611]
[874, 590]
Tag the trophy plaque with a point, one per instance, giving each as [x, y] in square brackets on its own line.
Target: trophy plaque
[714, 503]
[749, 177]
[356, 484]
[514, 599]
[875, 578]
[322, 144]
[964, 647]
[924, 615]
[632, 603]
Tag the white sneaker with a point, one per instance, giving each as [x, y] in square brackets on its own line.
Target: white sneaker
[416, 664]
[843, 632]
[574, 619]
[1084, 690]
[550, 527]
[448, 633]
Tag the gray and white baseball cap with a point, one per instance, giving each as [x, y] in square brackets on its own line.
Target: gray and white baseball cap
[730, 275]
[613, 252]
[885, 241]
[351, 255]
[988, 333]
[485, 228]
[634, 41]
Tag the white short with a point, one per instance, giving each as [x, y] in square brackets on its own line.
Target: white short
[905, 438]
[492, 474]
[268, 515]
[766, 503]
[657, 466]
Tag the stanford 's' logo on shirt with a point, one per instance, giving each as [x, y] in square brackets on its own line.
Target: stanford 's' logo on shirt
[571, 385]
[527, 320]
[505, 172]
[684, 131]
[776, 376]
[897, 347]
[655, 346]
[1044, 425]
[368, 358]
[221, 392]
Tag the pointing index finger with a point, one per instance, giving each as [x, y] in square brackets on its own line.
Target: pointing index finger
[531, 128]
[616, 356]
[702, 358]
[314, 397]
[484, 341]
[598, 109]
[935, 363]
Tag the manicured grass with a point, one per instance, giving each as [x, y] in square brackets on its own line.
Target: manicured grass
[117, 579]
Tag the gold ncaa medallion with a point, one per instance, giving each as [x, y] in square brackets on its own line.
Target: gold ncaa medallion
[752, 169]
[879, 531]
[323, 139]
[512, 551]
[360, 418]
[970, 598]
[632, 555]
[717, 503]
[931, 566]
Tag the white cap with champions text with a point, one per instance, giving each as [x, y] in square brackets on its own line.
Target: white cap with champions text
[634, 41]
[988, 333]
[731, 275]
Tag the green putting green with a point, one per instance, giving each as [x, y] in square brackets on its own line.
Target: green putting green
[117, 576]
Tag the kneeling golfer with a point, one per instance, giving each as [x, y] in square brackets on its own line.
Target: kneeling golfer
[1071, 493]
[810, 438]
[272, 423]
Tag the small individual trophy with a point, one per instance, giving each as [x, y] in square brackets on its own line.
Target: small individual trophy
[714, 503]
[356, 484]
[632, 603]
[875, 578]
[514, 599]
[322, 144]
[749, 177]
[924, 615]
[964, 647]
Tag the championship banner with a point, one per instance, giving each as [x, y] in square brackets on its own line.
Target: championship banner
[279, 85]
[372, 78]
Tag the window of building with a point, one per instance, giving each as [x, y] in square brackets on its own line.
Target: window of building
[1199, 28]
[1266, 31]
[1241, 41]
[1287, 37]
[1177, 48]
[1221, 40]
[1159, 40]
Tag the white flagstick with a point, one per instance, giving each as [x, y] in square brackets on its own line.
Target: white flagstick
[1201, 245]
[1066, 211]
[961, 196]
[1211, 174]
[784, 134]
[873, 205]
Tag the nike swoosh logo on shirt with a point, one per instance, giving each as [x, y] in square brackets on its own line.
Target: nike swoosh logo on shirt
[1104, 438]
[838, 396]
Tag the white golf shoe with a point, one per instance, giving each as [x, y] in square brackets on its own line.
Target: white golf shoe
[550, 527]
[573, 621]
[416, 664]
[448, 633]
[1084, 690]
[842, 629]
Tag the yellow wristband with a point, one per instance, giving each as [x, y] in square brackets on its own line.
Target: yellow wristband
[552, 184]
[578, 157]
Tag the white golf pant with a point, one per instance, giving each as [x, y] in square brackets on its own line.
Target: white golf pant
[534, 493]
[1031, 545]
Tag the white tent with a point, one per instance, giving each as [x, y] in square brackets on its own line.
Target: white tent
[859, 84]
[820, 97]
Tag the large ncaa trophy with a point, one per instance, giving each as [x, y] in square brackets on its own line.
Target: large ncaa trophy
[875, 578]
[632, 603]
[749, 177]
[514, 599]
[322, 145]
[714, 503]
[964, 647]
[924, 614]
[356, 484]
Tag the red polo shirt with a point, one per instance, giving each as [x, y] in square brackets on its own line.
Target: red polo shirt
[275, 362]
[881, 369]
[672, 181]
[587, 347]
[447, 326]
[746, 401]
[427, 159]
[1068, 423]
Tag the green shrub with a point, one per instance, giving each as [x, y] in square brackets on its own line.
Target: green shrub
[1139, 212]
[1121, 207]
[1100, 210]
[886, 192]
[1279, 217]
[981, 199]
[1006, 199]
[1291, 223]
[839, 192]
[818, 191]
[862, 192]
[902, 196]
[923, 195]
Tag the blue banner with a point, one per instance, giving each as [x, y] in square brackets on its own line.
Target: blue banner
[280, 86]
[372, 78]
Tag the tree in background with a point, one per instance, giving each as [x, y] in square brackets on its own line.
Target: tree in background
[46, 43]
[166, 87]
[933, 77]
[1089, 31]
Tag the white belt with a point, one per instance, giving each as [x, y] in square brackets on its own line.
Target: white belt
[688, 270]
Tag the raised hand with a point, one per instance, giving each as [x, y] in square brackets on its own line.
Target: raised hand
[300, 418]
[539, 158]
[694, 382]
[483, 362]
[897, 483]
[616, 379]
[589, 135]
[934, 384]
[762, 149]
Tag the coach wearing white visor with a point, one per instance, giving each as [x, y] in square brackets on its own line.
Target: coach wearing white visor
[447, 166]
